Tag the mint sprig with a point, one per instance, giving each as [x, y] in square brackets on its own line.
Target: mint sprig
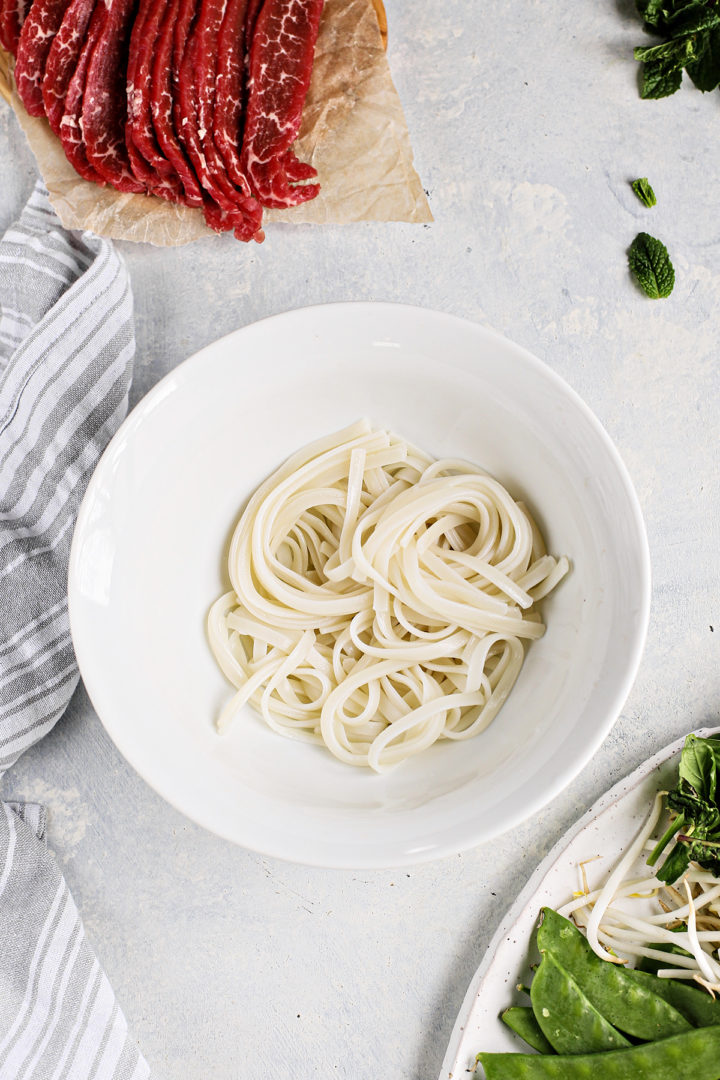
[691, 29]
[650, 263]
[696, 812]
[644, 192]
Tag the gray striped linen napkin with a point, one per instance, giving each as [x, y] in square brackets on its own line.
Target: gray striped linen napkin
[66, 353]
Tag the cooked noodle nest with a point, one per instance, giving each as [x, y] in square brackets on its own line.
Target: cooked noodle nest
[380, 599]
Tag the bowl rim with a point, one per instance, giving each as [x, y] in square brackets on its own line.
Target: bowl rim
[584, 749]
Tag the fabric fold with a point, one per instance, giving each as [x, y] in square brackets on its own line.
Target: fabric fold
[66, 353]
[58, 1015]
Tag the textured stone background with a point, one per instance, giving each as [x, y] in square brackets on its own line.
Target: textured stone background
[527, 127]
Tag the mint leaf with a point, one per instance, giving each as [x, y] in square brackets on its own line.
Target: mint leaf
[675, 53]
[705, 71]
[659, 80]
[693, 18]
[653, 13]
[644, 192]
[691, 29]
[650, 263]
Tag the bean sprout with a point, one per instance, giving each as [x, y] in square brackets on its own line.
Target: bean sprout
[634, 915]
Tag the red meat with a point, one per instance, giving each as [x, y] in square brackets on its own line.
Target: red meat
[175, 29]
[139, 166]
[161, 101]
[37, 35]
[185, 106]
[63, 57]
[280, 66]
[71, 130]
[200, 64]
[227, 117]
[150, 95]
[211, 19]
[12, 17]
[253, 10]
[194, 66]
[104, 107]
[147, 162]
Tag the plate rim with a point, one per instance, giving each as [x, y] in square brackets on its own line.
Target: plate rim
[532, 886]
[183, 371]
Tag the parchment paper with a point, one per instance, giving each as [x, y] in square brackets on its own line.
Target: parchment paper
[353, 132]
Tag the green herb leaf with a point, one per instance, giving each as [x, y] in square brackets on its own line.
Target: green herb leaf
[650, 263]
[705, 71]
[653, 13]
[675, 865]
[670, 833]
[698, 769]
[659, 80]
[695, 801]
[691, 29]
[643, 191]
[693, 18]
[701, 818]
[674, 54]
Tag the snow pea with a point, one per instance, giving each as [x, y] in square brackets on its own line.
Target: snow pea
[521, 1020]
[695, 1005]
[569, 1021]
[623, 1000]
[694, 1055]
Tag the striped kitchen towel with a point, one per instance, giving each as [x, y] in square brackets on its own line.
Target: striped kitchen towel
[66, 353]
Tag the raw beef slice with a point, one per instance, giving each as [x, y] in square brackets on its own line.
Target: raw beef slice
[280, 66]
[36, 37]
[63, 57]
[104, 107]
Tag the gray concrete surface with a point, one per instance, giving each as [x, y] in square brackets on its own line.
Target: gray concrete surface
[527, 127]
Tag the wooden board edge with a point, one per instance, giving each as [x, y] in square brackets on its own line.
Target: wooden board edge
[382, 21]
[5, 77]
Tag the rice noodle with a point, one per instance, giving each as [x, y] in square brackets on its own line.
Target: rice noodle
[380, 600]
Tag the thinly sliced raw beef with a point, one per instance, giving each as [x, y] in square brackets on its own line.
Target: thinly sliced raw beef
[63, 57]
[7, 25]
[297, 170]
[253, 10]
[12, 17]
[71, 130]
[38, 33]
[185, 102]
[140, 167]
[281, 58]
[193, 60]
[147, 162]
[161, 101]
[212, 15]
[227, 116]
[104, 107]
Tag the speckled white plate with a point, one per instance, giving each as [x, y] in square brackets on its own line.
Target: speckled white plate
[148, 559]
[603, 831]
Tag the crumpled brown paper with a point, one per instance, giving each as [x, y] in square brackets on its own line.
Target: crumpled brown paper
[353, 132]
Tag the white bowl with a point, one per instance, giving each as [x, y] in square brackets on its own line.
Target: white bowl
[149, 551]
